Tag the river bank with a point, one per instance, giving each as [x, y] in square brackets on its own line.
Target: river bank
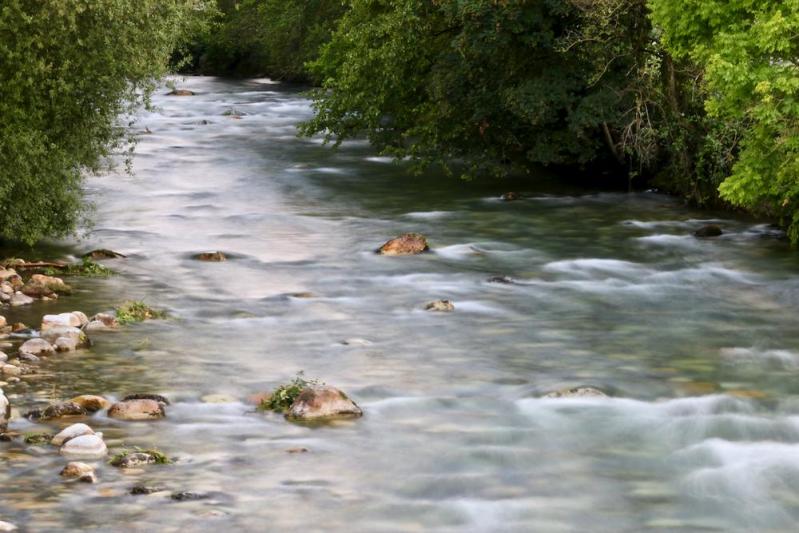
[694, 340]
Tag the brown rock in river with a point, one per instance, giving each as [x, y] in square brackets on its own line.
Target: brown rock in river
[91, 402]
[102, 253]
[79, 471]
[510, 196]
[137, 410]
[441, 306]
[180, 92]
[577, 392]
[322, 401]
[406, 244]
[58, 410]
[212, 257]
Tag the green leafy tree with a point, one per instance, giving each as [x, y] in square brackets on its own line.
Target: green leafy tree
[749, 51]
[68, 70]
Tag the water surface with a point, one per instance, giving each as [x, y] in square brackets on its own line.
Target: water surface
[696, 341]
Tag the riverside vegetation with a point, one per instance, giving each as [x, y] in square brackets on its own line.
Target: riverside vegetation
[695, 97]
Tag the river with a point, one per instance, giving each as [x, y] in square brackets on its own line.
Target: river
[695, 340]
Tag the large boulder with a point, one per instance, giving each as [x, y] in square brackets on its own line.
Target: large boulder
[322, 402]
[64, 320]
[407, 244]
[70, 432]
[85, 447]
[37, 347]
[137, 410]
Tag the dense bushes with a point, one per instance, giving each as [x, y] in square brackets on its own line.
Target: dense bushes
[68, 70]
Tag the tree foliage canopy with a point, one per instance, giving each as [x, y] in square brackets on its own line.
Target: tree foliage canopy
[68, 70]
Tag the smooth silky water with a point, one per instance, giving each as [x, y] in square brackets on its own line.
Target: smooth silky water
[696, 340]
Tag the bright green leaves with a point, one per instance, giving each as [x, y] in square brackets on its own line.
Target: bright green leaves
[68, 70]
[749, 50]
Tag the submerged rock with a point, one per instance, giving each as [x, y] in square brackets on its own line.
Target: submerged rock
[184, 496]
[406, 244]
[37, 347]
[28, 358]
[504, 280]
[577, 392]
[53, 334]
[85, 447]
[143, 490]
[213, 257]
[80, 472]
[137, 410]
[180, 92]
[65, 344]
[510, 196]
[70, 432]
[55, 411]
[444, 306]
[103, 253]
[710, 230]
[91, 402]
[322, 401]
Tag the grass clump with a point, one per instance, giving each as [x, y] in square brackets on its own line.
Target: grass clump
[137, 311]
[282, 397]
[86, 268]
[159, 457]
[38, 438]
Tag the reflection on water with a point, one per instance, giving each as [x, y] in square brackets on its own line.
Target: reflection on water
[696, 340]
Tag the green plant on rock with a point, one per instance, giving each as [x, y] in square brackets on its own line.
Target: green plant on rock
[38, 438]
[282, 397]
[137, 311]
[86, 268]
[160, 457]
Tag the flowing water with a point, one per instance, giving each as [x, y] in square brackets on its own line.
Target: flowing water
[695, 340]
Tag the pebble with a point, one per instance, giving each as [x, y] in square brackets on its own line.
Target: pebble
[80, 472]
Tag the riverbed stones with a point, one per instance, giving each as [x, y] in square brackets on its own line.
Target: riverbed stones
[137, 410]
[78, 471]
[56, 411]
[19, 299]
[180, 92]
[5, 411]
[322, 402]
[210, 257]
[406, 244]
[91, 402]
[577, 392]
[709, 230]
[70, 432]
[441, 306]
[10, 370]
[85, 447]
[37, 347]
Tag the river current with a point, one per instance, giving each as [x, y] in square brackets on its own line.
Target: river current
[696, 341]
